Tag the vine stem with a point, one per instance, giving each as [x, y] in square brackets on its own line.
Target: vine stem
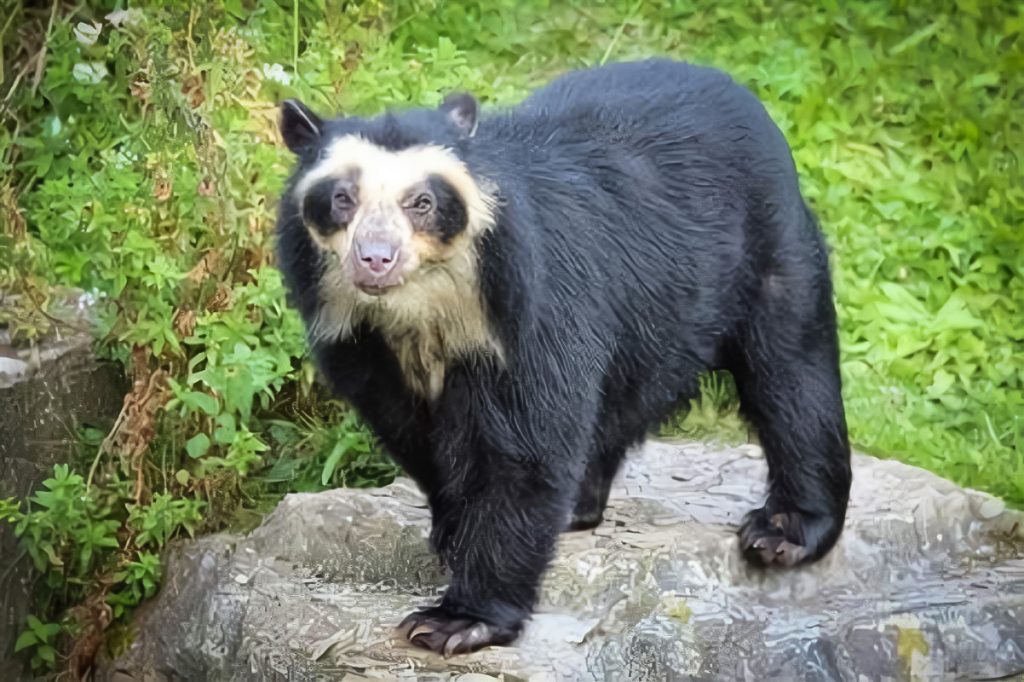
[295, 37]
[41, 64]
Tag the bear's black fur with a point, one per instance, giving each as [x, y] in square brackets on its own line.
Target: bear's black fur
[648, 226]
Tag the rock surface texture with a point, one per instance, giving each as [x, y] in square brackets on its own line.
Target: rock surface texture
[926, 583]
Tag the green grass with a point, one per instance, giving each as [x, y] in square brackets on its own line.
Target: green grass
[142, 164]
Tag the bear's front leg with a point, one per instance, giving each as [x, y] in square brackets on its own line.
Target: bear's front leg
[495, 531]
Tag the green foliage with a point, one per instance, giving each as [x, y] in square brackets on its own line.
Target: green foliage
[714, 415]
[141, 165]
[139, 578]
[68, 530]
[324, 451]
[40, 640]
[73, 534]
[156, 523]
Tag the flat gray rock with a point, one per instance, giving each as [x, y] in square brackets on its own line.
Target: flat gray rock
[927, 582]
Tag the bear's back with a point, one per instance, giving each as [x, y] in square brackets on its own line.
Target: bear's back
[627, 86]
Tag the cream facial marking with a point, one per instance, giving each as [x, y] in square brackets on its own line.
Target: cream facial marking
[386, 176]
[431, 313]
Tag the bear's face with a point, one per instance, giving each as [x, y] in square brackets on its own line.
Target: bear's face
[395, 214]
[386, 218]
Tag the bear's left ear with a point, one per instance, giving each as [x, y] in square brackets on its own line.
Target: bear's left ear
[461, 109]
[300, 127]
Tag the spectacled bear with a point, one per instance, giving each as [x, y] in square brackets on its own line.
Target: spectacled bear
[513, 300]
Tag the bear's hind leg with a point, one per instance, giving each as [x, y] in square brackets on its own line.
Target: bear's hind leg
[787, 372]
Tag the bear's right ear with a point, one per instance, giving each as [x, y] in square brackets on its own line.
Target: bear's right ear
[300, 127]
[461, 109]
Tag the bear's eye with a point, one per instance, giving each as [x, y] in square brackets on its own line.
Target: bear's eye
[423, 203]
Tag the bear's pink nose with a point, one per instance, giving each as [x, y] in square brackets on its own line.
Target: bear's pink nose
[376, 256]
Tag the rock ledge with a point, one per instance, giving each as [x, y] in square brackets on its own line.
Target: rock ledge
[927, 582]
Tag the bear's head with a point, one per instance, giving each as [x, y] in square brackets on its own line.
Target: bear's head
[393, 214]
[388, 199]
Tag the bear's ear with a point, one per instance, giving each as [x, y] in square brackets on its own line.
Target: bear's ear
[300, 127]
[461, 109]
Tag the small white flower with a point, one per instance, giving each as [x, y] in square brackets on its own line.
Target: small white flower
[89, 72]
[128, 17]
[87, 33]
[120, 158]
[276, 73]
[126, 158]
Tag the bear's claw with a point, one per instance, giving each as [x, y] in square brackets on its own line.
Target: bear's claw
[449, 635]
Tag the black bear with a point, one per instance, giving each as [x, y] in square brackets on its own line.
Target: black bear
[513, 300]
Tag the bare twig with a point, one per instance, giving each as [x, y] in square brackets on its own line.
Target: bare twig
[618, 33]
[41, 59]
[3, 32]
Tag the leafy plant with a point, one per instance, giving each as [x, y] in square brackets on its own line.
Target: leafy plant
[156, 523]
[713, 415]
[140, 579]
[326, 450]
[68, 531]
[40, 640]
[72, 531]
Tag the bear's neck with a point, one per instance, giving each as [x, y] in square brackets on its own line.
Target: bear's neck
[433, 320]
